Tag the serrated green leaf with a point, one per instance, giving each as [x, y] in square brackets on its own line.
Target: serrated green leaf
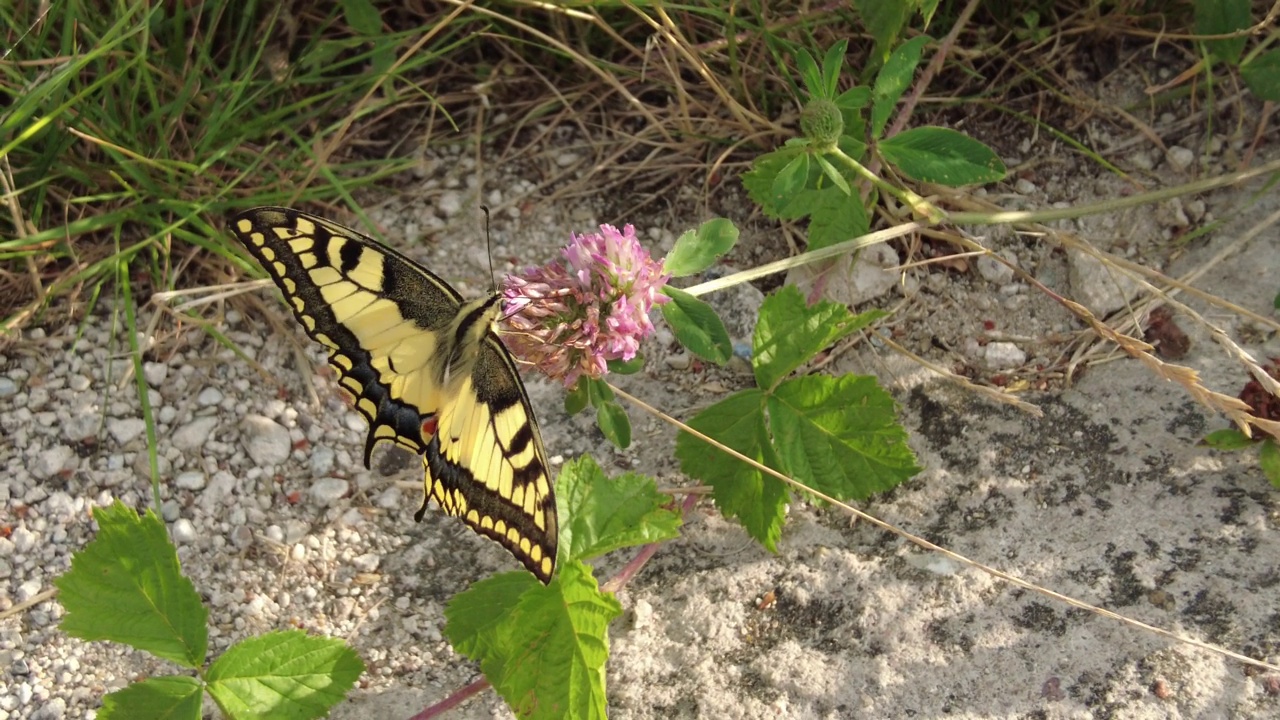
[757, 500]
[546, 656]
[1269, 461]
[286, 675]
[472, 617]
[789, 333]
[626, 367]
[126, 586]
[834, 217]
[607, 514]
[577, 399]
[1261, 74]
[614, 423]
[893, 80]
[1228, 439]
[831, 64]
[697, 326]
[840, 435]
[943, 156]
[159, 698]
[695, 251]
[1221, 17]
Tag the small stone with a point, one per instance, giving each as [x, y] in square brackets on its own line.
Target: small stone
[449, 203]
[994, 271]
[27, 590]
[1100, 288]
[1023, 186]
[242, 536]
[8, 388]
[298, 553]
[678, 361]
[190, 480]
[184, 532]
[23, 540]
[53, 461]
[155, 373]
[193, 435]
[1180, 158]
[367, 562]
[295, 530]
[322, 460]
[274, 533]
[1004, 356]
[267, 442]
[125, 429]
[170, 510]
[78, 383]
[167, 414]
[390, 499]
[209, 397]
[327, 491]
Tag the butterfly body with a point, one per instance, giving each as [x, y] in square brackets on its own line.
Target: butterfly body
[425, 368]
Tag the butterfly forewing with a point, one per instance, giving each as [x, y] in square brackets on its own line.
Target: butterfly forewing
[410, 353]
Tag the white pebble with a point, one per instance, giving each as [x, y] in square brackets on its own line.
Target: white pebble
[190, 480]
[194, 434]
[326, 491]
[267, 441]
[184, 532]
[125, 429]
[155, 373]
[1004, 355]
[209, 397]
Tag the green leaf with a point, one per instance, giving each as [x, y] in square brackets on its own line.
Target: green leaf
[576, 400]
[809, 72]
[1228, 439]
[164, 698]
[126, 586]
[893, 80]
[362, 16]
[834, 217]
[1220, 17]
[761, 178]
[607, 514]
[740, 490]
[697, 326]
[287, 675]
[943, 156]
[791, 180]
[835, 177]
[695, 251]
[473, 616]
[885, 21]
[1269, 461]
[626, 367]
[546, 656]
[831, 63]
[840, 435]
[789, 333]
[1261, 74]
[614, 423]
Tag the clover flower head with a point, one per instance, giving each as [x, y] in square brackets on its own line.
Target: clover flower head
[573, 315]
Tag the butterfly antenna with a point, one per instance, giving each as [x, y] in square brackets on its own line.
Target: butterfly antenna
[488, 243]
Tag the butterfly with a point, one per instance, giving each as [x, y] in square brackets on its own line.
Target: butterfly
[426, 369]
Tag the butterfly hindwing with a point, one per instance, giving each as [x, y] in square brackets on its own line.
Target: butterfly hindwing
[414, 357]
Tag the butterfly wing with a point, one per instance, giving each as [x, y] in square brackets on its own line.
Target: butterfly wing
[415, 358]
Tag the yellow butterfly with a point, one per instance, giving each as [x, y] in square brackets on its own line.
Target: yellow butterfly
[425, 369]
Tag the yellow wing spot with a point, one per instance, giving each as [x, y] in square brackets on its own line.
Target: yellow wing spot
[529, 503]
[301, 245]
[305, 226]
[540, 519]
[517, 497]
[325, 276]
[335, 252]
[342, 361]
[308, 260]
[486, 522]
[514, 536]
[269, 255]
[309, 323]
[460, 501]
[367, 407]
[369, 272]
[473, 517]
[349, 307]
[352, 384]
[290, 286]
[525, 546]
[500, 527]
[279, 267]
[246, 228]
[546, 567]
[298, 303]
[535, 553]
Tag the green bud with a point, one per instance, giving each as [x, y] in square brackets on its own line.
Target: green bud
[821, 121]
